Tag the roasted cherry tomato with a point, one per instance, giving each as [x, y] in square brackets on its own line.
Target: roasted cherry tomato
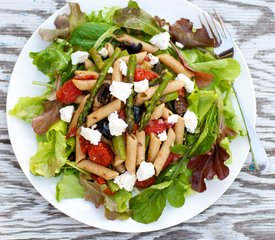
[146, 183]
[68, 92]
[108, 191]
[100, 180]
[156, 126]
[142, 73]
[173, 157]
[101, 154]
[122, 114]
[84, 144]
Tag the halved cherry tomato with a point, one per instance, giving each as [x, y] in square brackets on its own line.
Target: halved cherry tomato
[108, 191]
[146, 183]
[142, 73]
[156, 126]
[101, 154]
[84, 144]
[71, 132]
[173, 157]
[181, 92]
[122, 114]
[100, 180]
[147, 59]
[68, 93]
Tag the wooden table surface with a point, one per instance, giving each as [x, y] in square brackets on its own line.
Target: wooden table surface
[245, 211]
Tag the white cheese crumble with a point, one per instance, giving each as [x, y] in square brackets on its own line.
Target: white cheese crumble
[79, 57]
[162, 136]
[111, 70]
[173, 118]
[103, 52]
[145, 171]
[191, 121]
[66, 113]
[121, 90]
[90, 134]
[188, 84]
[126, 180]
[153, 59]
[123, 67]
[166, 27]
[178, 44]
[161, 40]
[117, 125]
[141, 86]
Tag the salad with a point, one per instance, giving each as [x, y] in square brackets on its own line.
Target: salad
[136, 114]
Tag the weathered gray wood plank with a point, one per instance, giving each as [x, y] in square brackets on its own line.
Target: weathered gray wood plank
[245, 211]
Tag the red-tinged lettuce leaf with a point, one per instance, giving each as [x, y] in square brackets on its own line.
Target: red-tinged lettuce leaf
[183, 32]
[92, 191]
[208, 165]
[51, 115]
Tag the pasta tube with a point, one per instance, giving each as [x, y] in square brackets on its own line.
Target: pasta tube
[140, 147]
[158, 111]
[79, 155]
[131, 153]
[154, 147]
[179, 130]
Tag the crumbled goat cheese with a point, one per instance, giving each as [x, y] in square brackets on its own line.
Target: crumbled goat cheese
[121, 90]
[123, 67]
[66, 113]
[103, 52]
[173, 118]
[94, 136]
[162, 136]
[141, 86]
[117, 125]
[145, 171]
[79, 57]
[190, 121]
[166, 27]
[111, 70]
[153, 59]
[178, 44]
[161, 40]
[188, 84]
[126, 180]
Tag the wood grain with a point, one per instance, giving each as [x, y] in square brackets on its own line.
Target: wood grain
[245, 211]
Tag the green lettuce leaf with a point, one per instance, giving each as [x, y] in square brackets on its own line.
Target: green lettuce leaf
[86, 35]
[118, 202]
[69, 187]
[103, 16]
[28, 108]
[224, 70]
[76, 17]
[135, 18]
[225, 144]
[52, 152]
[148, 206]
[54, 60]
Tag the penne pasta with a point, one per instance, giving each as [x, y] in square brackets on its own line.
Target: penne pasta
[88, 64]
[101, 171]
[172, 86]
[164, 151]
[175, 65]
[145, 46]
[140, 147]
[140, 57]
[179, 130]
[86, 85]
[103, 112]
[158, 111]
[79, 155]
[154, 147]
[117, 75]
[131, 153]
[166, 113]
[83, 73]
[79, 99]
[73, 124]
[110, 49]
[120, 168]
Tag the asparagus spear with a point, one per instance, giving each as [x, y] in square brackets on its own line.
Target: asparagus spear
[130, 101]
[119, 147]
[152, 103]
[97, 58]
[165, 99]
[98, 84]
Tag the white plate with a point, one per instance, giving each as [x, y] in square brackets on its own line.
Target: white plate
[24, 142]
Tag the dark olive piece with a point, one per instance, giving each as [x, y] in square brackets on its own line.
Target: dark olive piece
[132, 48]
[181, 105]
[104, 95]
[138, 112]
[103, 128]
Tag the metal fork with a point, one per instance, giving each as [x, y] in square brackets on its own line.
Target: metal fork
[216, 27]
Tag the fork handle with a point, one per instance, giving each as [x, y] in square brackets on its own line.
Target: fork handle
[261, 161]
